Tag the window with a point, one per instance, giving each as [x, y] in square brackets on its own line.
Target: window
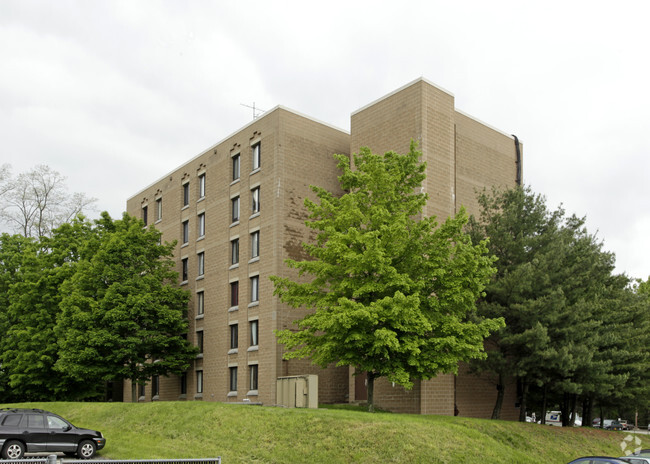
[234, 251]
[145, 210]
[37, 421]
[255, 194]
[142, 390]
[254, 333]
[185, 233]
[155, 386]
[233, 379]
[158, 209]
[186, 194]
[252, 373]
[201, 186]
[201, 259]
[201, 225]
[235, 167]
[184, 271]
[54, 422]
[183, 380]
[200, 303]
[199, 341]
[235, 209]
[234, 293]
[199, 381]
[255, 282]
[255, 244]
[256, 156]
[234, 336]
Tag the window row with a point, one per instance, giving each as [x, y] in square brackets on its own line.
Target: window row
[232, 374]
[255, 248]
[256, 160]
[235, 205]
[185, 191]
[254, 291]
[253, 336]
[185, 228]
[200, 259]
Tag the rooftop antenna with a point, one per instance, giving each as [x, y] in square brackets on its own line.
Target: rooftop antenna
[254, 108]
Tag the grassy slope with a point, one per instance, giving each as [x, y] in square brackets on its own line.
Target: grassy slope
[253, 434]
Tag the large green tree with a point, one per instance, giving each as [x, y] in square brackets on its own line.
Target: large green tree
[122, 313]
[391, 292]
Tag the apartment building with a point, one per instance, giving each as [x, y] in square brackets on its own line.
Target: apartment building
[236, 211]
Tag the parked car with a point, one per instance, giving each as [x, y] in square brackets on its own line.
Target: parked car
[613, 425]
[633, 459]
[597, 460]
[34, 430]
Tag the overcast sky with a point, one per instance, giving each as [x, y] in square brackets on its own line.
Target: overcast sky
[115, 94]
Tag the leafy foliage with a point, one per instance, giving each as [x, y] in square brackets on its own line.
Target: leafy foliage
[391, 293]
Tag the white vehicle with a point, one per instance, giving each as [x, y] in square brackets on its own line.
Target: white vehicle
[555, 418]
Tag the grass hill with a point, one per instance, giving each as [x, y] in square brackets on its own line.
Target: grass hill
[254, 434]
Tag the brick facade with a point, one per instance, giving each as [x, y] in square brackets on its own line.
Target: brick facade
[295, 152]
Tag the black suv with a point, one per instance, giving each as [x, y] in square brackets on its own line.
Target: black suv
[35, 430]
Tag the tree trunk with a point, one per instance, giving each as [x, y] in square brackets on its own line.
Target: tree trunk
[496, 412]
[574, 409]
[134, 392]
[565, 410]
[587, 412]
[543, 421]
[371, 392]
[522, 400]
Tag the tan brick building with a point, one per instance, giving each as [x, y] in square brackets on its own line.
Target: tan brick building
[237, 213]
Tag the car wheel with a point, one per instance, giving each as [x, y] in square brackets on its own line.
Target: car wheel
[86, 449]
[13, 450]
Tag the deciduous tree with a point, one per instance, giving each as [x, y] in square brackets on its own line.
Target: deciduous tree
[391, 292]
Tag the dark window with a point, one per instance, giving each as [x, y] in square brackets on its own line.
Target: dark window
[235, 167]
[256, 156]
[234, 293]
[142, 392]
[155, 386]
[186, 194]
[184, 383]
[199, 340]
[253, 376]
[234, 336]
[184, 269]
[145, 210]
[201, 259]
[254, 333]
[255, 194]
[234, 251]
[186, 232]
[35, 421]
[12, 420]
[233, 379]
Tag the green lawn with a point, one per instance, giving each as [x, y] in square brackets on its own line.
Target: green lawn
[254, 434]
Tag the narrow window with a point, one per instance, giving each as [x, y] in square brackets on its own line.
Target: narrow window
[186, 194]
[201, 224]
[255, 194]
[199, 381]
[155, 386]
[255, 281]
[235, 209]
[183, 381]
[201, 186]
[234, 336]
[234, 294]
[184, 270]
[186, 232]
[233, 379]
[201, 259]
[200, 303]
[254, 333]
[158, 209]
[142, 390]
[256, 156]
[235, 167]
[145, 210]
[255, 244]
[234, 251]
[253, 376]
[199, 341]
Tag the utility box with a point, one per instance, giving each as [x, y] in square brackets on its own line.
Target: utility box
[298, 391]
